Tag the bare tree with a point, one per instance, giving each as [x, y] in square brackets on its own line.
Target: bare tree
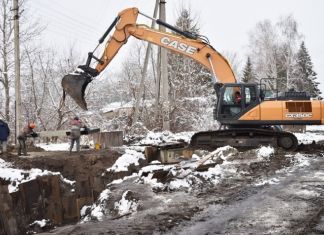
[6, 55]
[273, 49]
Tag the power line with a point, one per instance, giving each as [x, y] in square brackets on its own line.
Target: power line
[69, 28]
[77, 21]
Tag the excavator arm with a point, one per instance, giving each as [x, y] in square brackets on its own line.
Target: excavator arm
[125, 25]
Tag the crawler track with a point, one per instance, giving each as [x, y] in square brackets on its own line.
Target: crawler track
[244, 137]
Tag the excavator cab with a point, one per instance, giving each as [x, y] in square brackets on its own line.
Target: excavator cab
[234, 100]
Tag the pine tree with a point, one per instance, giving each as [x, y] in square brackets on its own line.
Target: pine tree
[188, 81]
[306, 73]
[248, 74]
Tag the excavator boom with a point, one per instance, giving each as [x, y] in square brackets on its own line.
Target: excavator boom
[249, 118]
[125, 25]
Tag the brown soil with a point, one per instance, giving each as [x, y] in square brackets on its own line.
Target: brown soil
[224, 208]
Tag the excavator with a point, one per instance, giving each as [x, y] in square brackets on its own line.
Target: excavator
[251, 121]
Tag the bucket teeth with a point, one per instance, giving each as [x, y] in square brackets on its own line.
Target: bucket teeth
[75, 85]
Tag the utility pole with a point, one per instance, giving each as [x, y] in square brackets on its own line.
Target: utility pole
[17, 67]
[147, 56]
[164, 74]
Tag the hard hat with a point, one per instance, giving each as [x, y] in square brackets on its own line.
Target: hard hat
[32, 125]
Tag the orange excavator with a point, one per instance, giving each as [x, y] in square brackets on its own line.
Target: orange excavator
[247, 116]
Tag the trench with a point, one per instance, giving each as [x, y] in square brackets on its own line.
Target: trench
[50, 196]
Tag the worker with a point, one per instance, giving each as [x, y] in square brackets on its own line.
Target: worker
[75, 134]
[4, 134]
[28, 131]
[237, 97]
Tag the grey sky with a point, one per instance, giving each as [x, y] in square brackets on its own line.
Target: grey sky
[225, 23]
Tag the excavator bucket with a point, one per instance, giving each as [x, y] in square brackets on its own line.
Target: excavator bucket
[74, 85]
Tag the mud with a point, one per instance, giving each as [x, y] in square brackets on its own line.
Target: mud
[239, 204]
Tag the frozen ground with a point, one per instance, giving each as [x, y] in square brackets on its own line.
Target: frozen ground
[260, 191]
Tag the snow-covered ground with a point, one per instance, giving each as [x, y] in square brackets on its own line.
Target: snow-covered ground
[17, 176]
[183, 176]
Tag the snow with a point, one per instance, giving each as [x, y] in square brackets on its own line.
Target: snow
[179, 183]
[18, 176]
[125, 206]
[301, 160]
[309, 137]
[262, 182]
[307, 193]
[41, 223]
[98, 209]
[315, 128]
[265, 151]
[155, 138]
[130, 157]
[183, 175]
[115, 106]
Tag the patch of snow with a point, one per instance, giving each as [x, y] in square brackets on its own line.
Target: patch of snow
[307, 193]
[315, 128]
[152, 181]
[155, 138]
[301, 160]
[70, 182]
[84, 210]
[118, 181]
[98, 209]
[54, 147]
[267, 181]
[41, 223]
[115, 106]
[125, 206]
[179, 183]
[128, 158]
[225, 152]
[309, 137]
[265, 151]
[18, 176]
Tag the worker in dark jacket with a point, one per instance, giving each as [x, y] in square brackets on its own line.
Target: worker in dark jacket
[28, 131]
[4, 134]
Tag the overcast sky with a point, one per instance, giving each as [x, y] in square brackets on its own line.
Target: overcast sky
[226, 23]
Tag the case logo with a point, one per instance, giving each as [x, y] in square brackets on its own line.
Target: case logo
[178, 45]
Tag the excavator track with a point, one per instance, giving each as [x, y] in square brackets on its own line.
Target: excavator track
[243, 138]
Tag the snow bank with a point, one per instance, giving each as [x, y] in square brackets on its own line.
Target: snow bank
[128, 158]
[41, 223]
[315, 128]
[125, 206]
[265, 151]
[309, 137]
[17, 176]
[97, 210]
[155, 138]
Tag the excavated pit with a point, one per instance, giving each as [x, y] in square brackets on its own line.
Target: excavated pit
[52, 198]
